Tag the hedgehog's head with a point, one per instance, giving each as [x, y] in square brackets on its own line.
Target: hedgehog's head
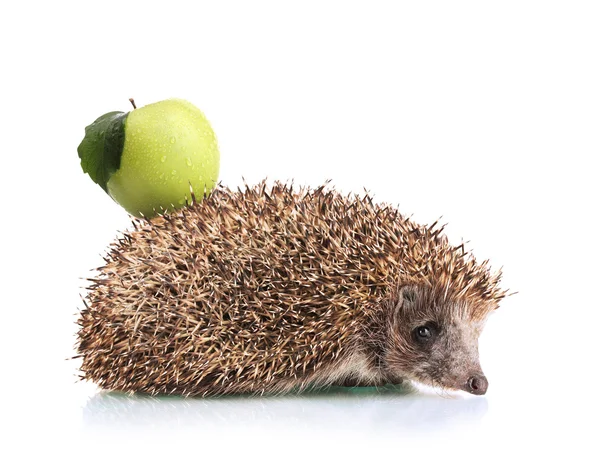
[433, 338]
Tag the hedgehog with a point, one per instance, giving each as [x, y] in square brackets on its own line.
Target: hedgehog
[268, 289]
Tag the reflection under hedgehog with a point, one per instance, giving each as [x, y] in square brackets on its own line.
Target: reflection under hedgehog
[268, 289]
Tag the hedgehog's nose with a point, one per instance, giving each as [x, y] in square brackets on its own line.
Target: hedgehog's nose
[477, 385]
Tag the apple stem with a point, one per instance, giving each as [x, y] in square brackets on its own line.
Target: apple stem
[133, 103]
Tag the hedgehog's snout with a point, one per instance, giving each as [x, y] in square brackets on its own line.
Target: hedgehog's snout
[477, 385]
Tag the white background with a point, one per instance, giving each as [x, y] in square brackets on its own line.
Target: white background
[484, 113]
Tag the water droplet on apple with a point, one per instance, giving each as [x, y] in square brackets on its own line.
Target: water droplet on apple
[173, 140]
[163, 158]
[188, 161]
[174, 172]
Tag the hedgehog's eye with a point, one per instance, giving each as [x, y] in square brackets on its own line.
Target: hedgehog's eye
[424, 333]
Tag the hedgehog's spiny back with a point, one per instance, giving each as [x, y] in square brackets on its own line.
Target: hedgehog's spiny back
[247, 288]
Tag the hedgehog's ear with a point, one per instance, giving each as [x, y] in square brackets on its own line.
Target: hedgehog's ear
[408, 296]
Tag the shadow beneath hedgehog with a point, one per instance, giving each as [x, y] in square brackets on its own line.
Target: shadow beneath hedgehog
[392, 407]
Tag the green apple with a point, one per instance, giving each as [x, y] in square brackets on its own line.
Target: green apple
[151, 159]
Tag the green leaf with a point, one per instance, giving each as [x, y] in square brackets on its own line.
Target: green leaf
[101, 149]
